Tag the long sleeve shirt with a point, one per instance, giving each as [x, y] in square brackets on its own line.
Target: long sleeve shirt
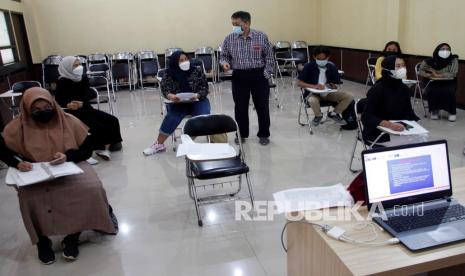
[197, 82]
[250, 52]
[68, 91]
[389, 99]
[84, 152]
[450, 71]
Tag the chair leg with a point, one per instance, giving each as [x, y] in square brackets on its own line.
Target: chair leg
[309, 123]
[354, 148]
[196, 203]
[249, 186]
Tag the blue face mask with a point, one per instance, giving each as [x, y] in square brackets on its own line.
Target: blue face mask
[238, 30]
[322, 63]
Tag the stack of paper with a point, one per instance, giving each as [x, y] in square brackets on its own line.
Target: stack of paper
[314, 198]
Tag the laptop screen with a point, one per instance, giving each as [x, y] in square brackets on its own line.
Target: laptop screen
[407, 171]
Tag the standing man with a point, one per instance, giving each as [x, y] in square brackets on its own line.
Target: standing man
[248, 52]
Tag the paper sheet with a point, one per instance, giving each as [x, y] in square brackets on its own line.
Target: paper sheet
[67, 168]
[322, 91]
[185, 96]
[303, 199]
[416, 129]
[207, 149]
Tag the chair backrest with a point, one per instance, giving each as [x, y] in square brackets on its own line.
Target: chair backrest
[143, 55]
[99, 67]
[299, 45]
[302, 54]
[204, 51]
[149, 67]
[207, 55]
[120, 70]
[52, 60]
[122, 57]
[168, 53]
[197, 63]
[417, 71]
[282, 49]
[209, 125]
[20, 87]
[371, 62]
[97, 58]
[282, 45]
[96, 81]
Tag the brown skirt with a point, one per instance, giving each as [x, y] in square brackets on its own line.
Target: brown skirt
[66, 205]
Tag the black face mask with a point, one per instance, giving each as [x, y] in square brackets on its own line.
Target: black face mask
[390, 53]
[43, 116]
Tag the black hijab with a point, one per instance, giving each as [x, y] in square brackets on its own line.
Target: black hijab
[388, 64]
[437, 62]
[178, 75]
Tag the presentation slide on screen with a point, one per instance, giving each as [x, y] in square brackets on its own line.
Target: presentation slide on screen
[406, 172]
[410, 174]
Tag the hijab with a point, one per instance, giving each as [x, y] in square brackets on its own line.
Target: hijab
[38, 142]
[66, 69]
[178, 75]
[388, 64]
[437, 62]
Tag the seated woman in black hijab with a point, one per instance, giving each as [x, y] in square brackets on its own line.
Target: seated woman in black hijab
[180, 77]
[441, 93]
[73, 92]
[389, 99]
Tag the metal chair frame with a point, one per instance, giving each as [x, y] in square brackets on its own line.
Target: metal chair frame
[193, 187]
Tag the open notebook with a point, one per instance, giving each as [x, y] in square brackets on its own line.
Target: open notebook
[41, 172]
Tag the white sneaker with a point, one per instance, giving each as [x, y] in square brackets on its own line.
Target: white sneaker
[452, 118]
[155, 148]
[434, 115]
[104, 154]
[92, 161]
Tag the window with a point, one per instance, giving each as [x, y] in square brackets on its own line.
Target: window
[8, 52]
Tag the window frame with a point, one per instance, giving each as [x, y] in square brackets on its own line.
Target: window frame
[11, 34]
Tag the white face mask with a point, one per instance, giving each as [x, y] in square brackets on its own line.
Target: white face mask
[400, 73]
[185, 65]
[78, 70]
[444, 53]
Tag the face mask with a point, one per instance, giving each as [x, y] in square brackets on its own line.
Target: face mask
[322, 63]
[390, 53]
[444, 53]
[78, 70]
[43, 116]
[400, 73]
[238, 30]
[185, 65]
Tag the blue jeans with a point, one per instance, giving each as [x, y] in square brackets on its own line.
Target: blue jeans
[177, 112]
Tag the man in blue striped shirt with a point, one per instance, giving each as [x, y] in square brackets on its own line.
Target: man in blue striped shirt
[249, 53]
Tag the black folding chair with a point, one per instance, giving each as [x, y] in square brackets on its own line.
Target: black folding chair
[210, 168]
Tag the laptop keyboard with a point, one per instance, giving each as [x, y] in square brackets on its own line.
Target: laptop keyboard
[429, 218]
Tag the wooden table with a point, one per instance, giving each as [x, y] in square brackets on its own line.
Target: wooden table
[311, 252]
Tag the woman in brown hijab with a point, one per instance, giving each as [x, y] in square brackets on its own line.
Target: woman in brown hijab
[63, 206]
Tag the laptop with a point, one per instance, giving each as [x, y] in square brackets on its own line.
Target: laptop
[408, 191]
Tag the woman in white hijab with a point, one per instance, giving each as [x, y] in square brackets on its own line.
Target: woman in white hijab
[73, 93]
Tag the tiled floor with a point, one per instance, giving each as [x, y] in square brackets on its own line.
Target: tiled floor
[159, 233]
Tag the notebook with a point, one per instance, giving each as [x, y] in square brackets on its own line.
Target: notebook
[41, 172]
